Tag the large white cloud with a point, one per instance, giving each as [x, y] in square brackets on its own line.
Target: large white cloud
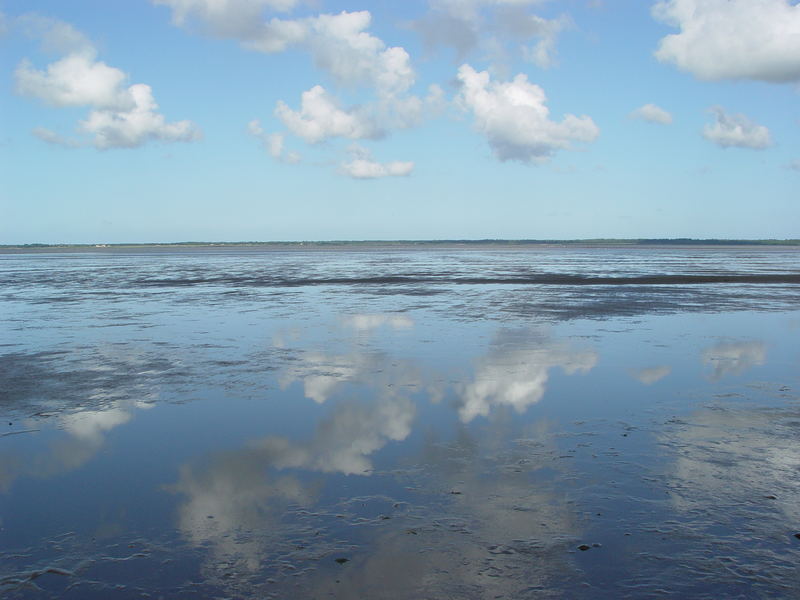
[122, 116]
[341, 46]
[338, 43]
[320, 117]
[736, 130]
[132, 128]
[732, 39]
[78, 79]
[515, 120]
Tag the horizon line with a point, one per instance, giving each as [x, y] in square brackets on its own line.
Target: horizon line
[466, 241]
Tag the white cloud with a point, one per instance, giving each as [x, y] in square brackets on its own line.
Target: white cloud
[523, 25]
[122, 117]
[274, 143]
[51, 137]
[736, 130]
[338, 43]
[515, 120]
[652, 114]
[363, 167]
[732, 39]
[360, 168]
[132, 128]
[75, 80]
[225, 18]
[320, 118]
[795, 165]
[466, 24]
[340, 46]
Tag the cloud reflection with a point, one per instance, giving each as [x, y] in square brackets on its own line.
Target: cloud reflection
[86, 396]
[650, 375]
[250, 489]
[369, 322]
[517, 377]
[244, 504]
[734, 358]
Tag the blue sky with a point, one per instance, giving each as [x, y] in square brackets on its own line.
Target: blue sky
[175, 120]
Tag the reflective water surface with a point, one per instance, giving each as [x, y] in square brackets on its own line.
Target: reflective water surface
[399, 423]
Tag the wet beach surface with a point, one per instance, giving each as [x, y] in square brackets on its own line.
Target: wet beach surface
[400, 423]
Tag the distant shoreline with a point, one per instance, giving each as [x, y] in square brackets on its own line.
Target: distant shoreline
[342, 244]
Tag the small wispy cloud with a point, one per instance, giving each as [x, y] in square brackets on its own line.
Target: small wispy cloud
[362, 166]
[652, 114]
[736, 131]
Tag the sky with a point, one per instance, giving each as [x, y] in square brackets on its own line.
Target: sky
[292, 120]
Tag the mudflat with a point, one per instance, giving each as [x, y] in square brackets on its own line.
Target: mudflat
[400, 422]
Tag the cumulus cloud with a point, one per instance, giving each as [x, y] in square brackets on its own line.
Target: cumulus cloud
[75, 80]
[363, 167]
[515, 22]
[732, 39]
[652, 114]
[466, 24]
[513, 117]
[132, 128]
[122, 116]
[341, 46]
[225, 18]
[736, 130]
[338, 43]
[320, 117]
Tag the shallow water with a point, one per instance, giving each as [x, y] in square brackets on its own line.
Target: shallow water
[400, 423]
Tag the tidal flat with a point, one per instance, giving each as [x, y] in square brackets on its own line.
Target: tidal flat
[400, 423]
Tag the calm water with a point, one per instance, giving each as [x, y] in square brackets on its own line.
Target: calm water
[400, 423]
